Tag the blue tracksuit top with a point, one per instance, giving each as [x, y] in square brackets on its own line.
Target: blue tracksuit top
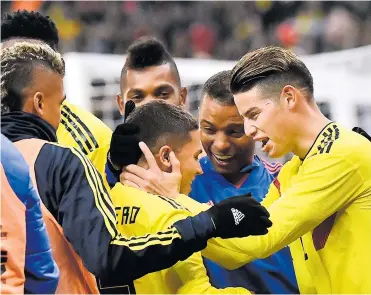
[41, 271]
[274, 274]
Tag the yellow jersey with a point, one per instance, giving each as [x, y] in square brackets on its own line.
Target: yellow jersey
[321, 207]
[139, 213]
[80, 129]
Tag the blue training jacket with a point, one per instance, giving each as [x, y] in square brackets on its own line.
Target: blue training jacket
[41, 271]
[274, 274]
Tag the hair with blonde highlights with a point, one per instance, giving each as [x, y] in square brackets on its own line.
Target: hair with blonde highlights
[18, 63]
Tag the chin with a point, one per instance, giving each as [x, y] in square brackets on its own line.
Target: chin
[276, 153]
[185, 190]
[222, 170]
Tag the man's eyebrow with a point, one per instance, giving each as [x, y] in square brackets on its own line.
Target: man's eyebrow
[136, 90]
[251, 110]
[206, 121]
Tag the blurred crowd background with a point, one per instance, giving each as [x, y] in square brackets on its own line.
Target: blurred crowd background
[209, 29]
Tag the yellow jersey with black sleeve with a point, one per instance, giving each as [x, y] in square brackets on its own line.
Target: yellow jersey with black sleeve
[139, 212]
[80, 129]
[321, 206]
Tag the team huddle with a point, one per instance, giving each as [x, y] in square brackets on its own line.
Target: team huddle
[168, 203]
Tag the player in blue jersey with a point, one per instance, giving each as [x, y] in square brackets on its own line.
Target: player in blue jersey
[229, 169]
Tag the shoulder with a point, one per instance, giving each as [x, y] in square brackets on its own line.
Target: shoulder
[10, 155]
[16, 169]
[63, 158]
[155, 204]
[289, 168]
[85, 121]
[154, 210]
[342, 143]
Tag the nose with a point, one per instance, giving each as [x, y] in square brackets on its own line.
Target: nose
[199, 168]
[221, 142]
[250, 130]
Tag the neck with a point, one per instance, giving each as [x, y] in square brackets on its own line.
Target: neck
[235, 178]
[311, 124]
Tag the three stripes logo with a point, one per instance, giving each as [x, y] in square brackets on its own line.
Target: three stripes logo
[237, 215]
[78, 130]
[329, 136]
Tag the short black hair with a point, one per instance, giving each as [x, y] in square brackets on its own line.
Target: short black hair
[148, 52]
[162, 124]
[271, 68]
[29, 24]
[217, 88]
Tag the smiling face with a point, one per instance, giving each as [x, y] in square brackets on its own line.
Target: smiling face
[223, 137]
[268, 120]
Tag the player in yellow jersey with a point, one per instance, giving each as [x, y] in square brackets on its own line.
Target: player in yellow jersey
[320, 204]
[165, 128]
[80, 129]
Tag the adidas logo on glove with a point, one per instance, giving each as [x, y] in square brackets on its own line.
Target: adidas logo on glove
[237, 215]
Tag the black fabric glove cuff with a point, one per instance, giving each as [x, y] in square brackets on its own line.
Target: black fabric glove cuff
[115, 171]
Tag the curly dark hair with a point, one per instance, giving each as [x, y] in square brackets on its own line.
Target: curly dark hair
[29, 24]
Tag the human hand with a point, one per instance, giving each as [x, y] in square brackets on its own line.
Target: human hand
[153, 179]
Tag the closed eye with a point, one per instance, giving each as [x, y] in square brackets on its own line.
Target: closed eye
[254, 116]
[207, 130]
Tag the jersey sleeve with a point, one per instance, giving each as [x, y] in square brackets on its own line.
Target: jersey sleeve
[191, 272]
[74, 192]
[273, 193]
[324, 185]
[227, 257]
[82, 130]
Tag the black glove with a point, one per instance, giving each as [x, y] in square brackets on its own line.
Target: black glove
[239, 216]
[359, 130]
[129, 108]
[124, 147]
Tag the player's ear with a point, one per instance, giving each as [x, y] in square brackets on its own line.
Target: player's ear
[164, 158]
[183, 96]
[120, 104]
[289, 96]
[38, 103]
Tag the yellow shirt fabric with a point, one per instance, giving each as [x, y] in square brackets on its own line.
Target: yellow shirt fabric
[80, 129]
[321, 207]
[139, 213]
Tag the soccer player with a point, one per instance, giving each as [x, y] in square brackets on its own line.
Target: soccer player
[165, 128]
[78, 128]
[230, 169]
[150, 73]
[78, 210]
[27, 263]
[320, 202]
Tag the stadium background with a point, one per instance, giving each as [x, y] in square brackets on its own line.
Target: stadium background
[206, 37]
